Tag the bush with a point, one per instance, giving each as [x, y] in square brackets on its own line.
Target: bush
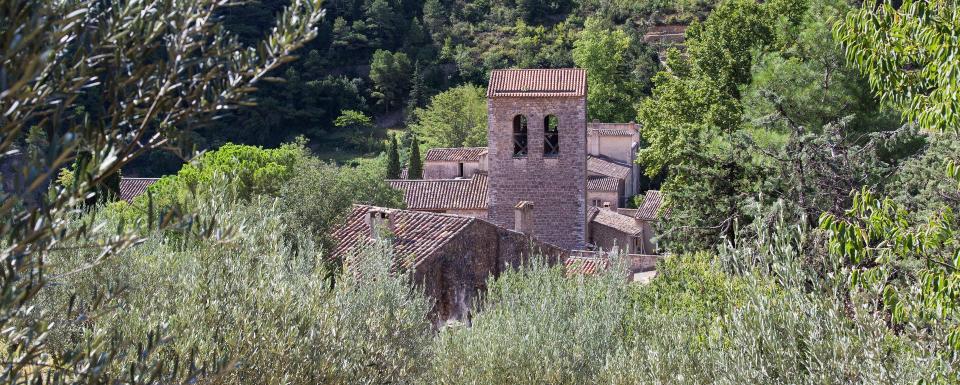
[250, 297]
[535, 326]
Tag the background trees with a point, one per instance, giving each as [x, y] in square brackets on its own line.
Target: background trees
[453, 118]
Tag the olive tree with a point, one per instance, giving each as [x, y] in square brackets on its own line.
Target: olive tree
[106, 82]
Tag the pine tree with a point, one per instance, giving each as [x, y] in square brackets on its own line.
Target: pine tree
[393, 159]
[417, 91]
[415, 170]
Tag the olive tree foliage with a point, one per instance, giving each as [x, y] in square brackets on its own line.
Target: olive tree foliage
[111, 80]
[257, 298]
[536, 325]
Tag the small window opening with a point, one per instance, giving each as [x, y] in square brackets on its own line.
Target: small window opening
[520, 136]
[551, 136]
[461, 170]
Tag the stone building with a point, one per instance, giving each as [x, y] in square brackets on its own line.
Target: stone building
[632, 231]
[617, 143]
[466, 197]
[450, 256]
[450, 163]
[537, 150]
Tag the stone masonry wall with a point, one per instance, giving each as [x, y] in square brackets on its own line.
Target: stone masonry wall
[556, 186]
[458, 272]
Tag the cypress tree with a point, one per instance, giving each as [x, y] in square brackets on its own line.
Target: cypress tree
[415, 171]
[393, 159]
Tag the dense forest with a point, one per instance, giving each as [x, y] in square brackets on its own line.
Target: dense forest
[808, 152]
[383, 59]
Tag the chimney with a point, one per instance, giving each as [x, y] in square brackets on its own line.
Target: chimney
[523, 217]
[381, 227]
[606, 205]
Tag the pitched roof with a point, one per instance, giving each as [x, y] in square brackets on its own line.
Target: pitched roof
[459, 154]
[650, 208]
[444, 194]
[416, 234]
[611, 219]
[612, 129]
[603, 183]
[537, 83]
[580, 265]
[133, 187]
[606, 166]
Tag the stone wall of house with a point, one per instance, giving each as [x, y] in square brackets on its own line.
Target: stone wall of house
[649, 245]
[608, 238]
[556, 186]
[458, 273]
[616, 147]
[593, 197]
[449, 170]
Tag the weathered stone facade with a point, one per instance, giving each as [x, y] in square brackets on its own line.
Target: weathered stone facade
[556, 185]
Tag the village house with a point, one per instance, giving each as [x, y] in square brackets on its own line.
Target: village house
[450, 256]
[133, 187]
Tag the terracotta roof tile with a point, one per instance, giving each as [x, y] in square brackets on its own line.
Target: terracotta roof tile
[133, 187]
[650, 208]
[603, 183]
[537, 83]
[444, 194]
[612, 129]
[577, 265]
[611, 219]
[459, 154]
[416, 235]
[608, 167]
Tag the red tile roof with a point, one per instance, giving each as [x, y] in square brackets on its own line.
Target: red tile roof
[570, 82]
[603, 183]
[650, 208]
[608, 167]
[459, 154]
[611, 219]
[133, 187]
[416, 235]
[578, 265]
[444, 194]
[612, 129]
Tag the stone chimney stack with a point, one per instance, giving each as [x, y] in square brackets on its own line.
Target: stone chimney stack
[523, 217]
[380, 224]
[606, 205]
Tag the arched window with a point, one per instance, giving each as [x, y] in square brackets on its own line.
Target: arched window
[519, 136]
[551, 136]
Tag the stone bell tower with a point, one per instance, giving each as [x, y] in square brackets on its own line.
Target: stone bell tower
[537, 124]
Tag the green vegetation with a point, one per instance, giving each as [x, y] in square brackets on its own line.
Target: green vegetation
[454, 118]
[812, 190]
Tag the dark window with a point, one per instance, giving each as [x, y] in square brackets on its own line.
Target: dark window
[461, 170]
[551, 136]
[519, 136]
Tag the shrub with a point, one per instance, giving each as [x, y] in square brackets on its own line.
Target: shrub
[535, 326]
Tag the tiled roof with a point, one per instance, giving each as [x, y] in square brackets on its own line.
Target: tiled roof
[133, 187]
[416, 234]
[612, 129]
[459, 154]
[537, 82]
[608, 167]
[611, 219]
[603, 183]
[650, 208]
[576, 265]
[444, 194]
